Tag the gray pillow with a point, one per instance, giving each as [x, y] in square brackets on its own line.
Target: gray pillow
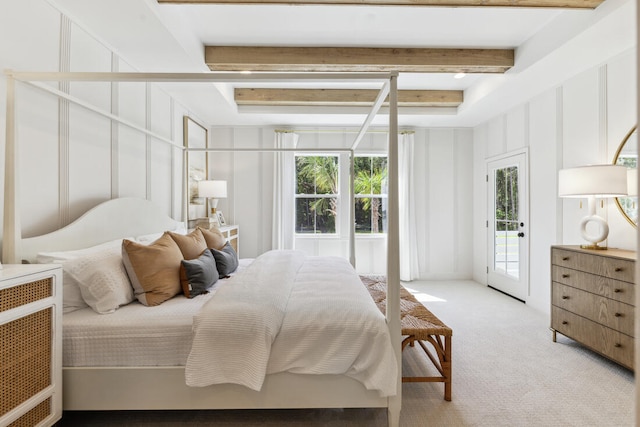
[226, 260]
[198, 275]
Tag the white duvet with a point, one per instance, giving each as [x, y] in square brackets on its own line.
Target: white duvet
[289, 312]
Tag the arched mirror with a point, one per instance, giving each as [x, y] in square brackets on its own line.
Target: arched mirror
[627, 155]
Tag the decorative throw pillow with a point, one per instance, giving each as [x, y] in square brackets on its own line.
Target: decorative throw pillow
[102, 279]
[214, 238]
[191, 245]
[72, 299]
[226, 260]
[198, 275]
[154, 269]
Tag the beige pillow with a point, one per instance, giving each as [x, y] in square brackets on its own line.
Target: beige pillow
[191, 245]
[214, 238]
[154, 269]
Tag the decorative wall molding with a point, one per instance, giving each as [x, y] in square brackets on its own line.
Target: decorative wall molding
[63, 124]
[115, 134]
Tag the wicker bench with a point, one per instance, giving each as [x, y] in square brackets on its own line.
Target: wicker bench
[421, 326]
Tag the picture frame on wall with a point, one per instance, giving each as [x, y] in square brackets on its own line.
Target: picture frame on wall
[195, 136]
[221, 220]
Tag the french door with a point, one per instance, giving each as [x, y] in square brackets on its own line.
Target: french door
[507, 225]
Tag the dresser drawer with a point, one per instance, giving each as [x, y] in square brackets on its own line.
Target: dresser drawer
[610, 288]
[614, 314]
[606, 341]
[615, 268]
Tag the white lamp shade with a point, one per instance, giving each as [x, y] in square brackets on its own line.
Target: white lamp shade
[215, 189]
[632, 182]
[595, 180]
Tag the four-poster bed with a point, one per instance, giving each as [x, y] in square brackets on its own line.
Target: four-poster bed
[163, 387]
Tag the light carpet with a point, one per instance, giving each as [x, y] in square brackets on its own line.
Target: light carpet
[507, 371]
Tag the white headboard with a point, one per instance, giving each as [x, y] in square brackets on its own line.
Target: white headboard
[113, 219]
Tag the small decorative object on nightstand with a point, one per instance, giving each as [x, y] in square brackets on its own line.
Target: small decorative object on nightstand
[207, 223]
[31, 344]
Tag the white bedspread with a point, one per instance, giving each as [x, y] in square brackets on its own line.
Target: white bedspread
[289, 312]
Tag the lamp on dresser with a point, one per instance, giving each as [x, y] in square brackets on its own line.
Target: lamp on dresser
[214, 190]
[592, 182]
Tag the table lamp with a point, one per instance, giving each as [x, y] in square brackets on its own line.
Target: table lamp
[214, 190]
[593, 181]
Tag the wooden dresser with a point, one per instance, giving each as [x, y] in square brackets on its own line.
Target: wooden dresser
[593, 299]
[30, 345]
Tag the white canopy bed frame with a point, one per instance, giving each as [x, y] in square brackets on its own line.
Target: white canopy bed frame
[140, 388]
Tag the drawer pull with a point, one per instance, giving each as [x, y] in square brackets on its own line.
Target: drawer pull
[617, 345]
[618, 314]
[565, 297]
[617, 291]
[565, 258]
[619, 269]
[564, 322]
[565, 275]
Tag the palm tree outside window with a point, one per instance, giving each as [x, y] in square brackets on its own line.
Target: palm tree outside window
[370, 194]
[318, 195]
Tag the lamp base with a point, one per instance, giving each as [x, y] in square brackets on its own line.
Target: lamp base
[594, 247]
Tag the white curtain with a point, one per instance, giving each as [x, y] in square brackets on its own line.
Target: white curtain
[409, 264]
[284, 182]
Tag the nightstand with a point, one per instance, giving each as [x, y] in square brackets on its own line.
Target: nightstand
[231, 233]
[31, 344]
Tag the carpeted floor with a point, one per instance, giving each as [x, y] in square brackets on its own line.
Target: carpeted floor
[507, 371]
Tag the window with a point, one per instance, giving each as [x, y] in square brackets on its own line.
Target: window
[316, 194]
[370, 194]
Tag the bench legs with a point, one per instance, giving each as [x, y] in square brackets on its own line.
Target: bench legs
[442, 346]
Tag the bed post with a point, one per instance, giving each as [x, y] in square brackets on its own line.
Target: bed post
[11, 226]
[352, 209]
[393, 251]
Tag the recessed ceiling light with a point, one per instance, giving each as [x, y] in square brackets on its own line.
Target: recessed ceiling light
[459, 75]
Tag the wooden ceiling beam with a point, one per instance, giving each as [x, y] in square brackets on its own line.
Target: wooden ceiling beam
[358, 59]
[344, 97]
[561, 4]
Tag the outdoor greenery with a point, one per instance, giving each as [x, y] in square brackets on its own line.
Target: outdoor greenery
[506, 188]
[317, 193]
[370, 186]
[317, 189]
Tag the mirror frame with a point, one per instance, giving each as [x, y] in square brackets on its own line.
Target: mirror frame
[615, 161]
[195, 135]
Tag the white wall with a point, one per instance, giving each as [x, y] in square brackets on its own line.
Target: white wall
[70, 158]
[580, 122]
[443, 164]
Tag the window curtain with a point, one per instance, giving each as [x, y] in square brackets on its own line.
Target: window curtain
[284, 182]
[409, 264]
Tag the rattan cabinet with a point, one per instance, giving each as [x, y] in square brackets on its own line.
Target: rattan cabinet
[593, 299]
[31, 340]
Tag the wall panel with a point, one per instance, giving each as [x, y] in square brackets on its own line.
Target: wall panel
[442, 218]
[516, 127]
[543, 198]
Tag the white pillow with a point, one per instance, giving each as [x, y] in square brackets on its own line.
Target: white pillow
[59, 256]
[72, 299]
[102, 279]
[146, 239]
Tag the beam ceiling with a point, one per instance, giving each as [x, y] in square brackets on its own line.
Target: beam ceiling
[563, 4]
[344, 97]
[358, 59]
